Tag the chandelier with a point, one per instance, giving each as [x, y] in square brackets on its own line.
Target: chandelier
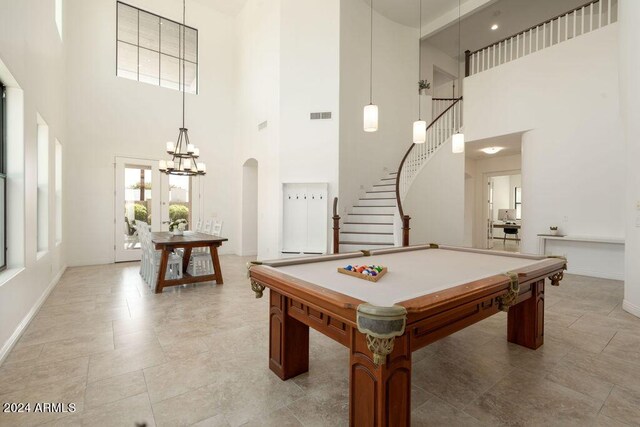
[184, 155]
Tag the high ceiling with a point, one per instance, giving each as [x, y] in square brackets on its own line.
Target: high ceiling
[511, 16]
[405, 12]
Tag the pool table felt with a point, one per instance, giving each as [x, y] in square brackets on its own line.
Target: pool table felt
[411, 274]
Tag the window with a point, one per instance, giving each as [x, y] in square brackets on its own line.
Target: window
[3, 182]
[43, 185]
[150, 50]
[58, 192]
[58, 16]
[518, 202]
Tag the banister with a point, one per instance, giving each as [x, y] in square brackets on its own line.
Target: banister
[469, 54]
[336, 227]
[398, 175]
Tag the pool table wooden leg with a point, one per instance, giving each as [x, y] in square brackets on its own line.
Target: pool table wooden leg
[288, 340]
[525, 322]
[379, 395]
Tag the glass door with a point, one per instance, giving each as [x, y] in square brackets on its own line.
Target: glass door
[138, 194]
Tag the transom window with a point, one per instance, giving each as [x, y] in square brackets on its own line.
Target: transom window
[150, 50]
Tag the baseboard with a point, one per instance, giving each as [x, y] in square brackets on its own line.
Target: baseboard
[593, 273]
[11, 342]
[631, 308]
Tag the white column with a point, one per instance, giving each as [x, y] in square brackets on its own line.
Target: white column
[629, 61]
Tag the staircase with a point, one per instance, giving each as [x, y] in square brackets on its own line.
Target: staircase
[369, 225]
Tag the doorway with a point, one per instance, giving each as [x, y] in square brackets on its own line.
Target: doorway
[137, 197]
[250, 208]
[503, 211]
[144, 194]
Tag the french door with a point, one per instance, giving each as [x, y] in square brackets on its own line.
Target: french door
[138, 197]
[144, 194]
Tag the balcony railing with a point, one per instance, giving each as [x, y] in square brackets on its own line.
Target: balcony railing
[581, 20]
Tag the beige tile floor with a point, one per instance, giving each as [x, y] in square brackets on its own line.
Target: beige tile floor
[198, 356]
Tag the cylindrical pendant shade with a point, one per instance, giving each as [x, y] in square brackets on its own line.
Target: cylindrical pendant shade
[162, 165]
[457, 143]
[170, 165]
[419, 132]
[370, 118]
[187, 164]
[171, 147]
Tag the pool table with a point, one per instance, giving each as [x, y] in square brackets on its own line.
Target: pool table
[428, 293]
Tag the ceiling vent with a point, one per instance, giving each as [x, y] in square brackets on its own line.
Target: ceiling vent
[321, 116]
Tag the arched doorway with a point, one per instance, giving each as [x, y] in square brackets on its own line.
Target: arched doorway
[249, 208]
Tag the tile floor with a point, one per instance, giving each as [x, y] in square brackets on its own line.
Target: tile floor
[198, 356]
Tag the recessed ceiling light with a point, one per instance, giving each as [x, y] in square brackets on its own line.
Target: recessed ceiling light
[491, 150]
[494, 27]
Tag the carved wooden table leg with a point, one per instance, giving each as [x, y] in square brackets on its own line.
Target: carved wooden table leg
[379, 395]
[525, 322]
[288, 340]
[380, 371]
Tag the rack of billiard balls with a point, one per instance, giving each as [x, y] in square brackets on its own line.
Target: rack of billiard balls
[372, 273]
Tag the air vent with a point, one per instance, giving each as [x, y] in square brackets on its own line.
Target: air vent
[321, 116]
[262, 125]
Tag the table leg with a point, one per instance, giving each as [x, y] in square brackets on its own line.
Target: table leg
[186, 257]
[164, 261]
[525, 322]
[379, 395]
[216, 264]
[288, 339]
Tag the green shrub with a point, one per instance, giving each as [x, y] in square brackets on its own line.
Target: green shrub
[140, 212]
[177, 212]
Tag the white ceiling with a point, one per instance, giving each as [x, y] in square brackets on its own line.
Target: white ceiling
[512, 144]
[405, 12]
[512, 16]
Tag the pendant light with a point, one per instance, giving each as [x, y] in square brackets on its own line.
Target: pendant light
[184, 155]
[371, 110]
[419, 126]
[457, 140]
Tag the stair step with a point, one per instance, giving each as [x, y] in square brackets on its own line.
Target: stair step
[373, 218]
[368, 223]
[377, 202]
[355, 247]
[367, 227]
[366, 232]
[367, 243]
[389, 210]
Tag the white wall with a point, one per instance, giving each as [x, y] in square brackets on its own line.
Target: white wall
[367, 157]
[258, 100]
[112, 116]
[249, 227]
[310, 82]
[435, 200]
[281, 81]
[434, 57]
[629, 62]
[32, 66]
[573, 154]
